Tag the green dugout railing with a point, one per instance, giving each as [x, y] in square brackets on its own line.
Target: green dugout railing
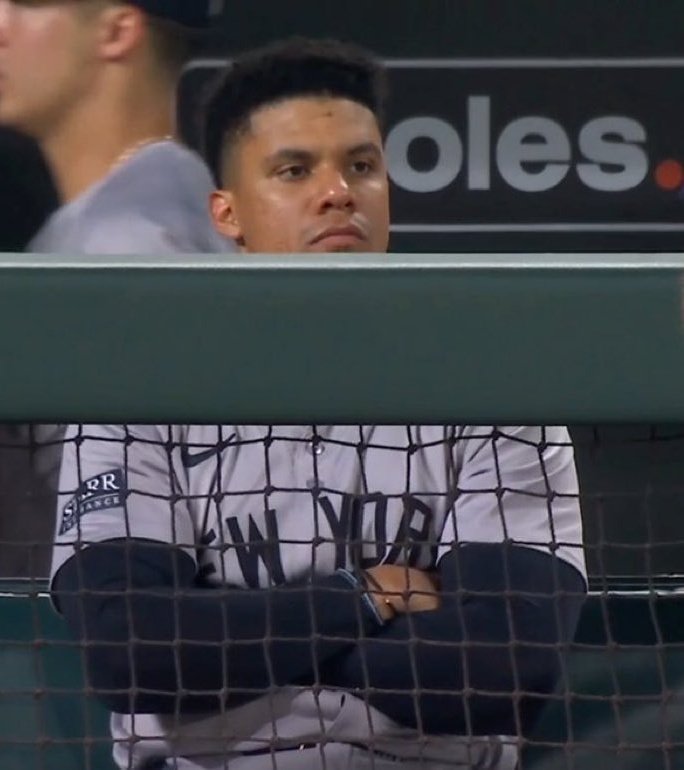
[560, 338]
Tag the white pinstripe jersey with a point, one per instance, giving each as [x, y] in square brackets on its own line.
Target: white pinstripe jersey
[256, 506]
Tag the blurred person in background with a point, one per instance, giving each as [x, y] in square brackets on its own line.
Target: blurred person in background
[94, 83]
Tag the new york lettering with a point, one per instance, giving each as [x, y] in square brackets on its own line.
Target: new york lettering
[364, 531]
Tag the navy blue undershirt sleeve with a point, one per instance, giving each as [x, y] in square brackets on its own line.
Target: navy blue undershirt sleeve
[154, 642]
[481, 664]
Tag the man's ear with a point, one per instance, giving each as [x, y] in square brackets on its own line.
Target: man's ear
[224, 215]
[121, 30]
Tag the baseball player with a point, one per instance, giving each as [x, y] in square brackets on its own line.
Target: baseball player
[94, 83]
[259, 597]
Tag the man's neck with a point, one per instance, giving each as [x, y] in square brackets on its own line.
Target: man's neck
[86, 149]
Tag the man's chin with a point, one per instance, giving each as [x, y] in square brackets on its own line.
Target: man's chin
[344, 250]
[355, 247]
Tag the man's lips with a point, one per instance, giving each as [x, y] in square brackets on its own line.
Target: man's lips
[345, 231]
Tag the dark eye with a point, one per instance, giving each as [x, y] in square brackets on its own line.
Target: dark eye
[362, 167]
[292, 173]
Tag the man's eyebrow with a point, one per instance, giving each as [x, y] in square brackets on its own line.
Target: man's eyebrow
[290, 155]
[365, 148]
[299, 155]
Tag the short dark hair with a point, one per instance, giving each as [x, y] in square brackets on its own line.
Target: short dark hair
[282, 70]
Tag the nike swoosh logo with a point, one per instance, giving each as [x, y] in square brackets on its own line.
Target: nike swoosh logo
[191, 459]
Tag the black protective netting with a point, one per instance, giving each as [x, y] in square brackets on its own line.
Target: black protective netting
[233, 607]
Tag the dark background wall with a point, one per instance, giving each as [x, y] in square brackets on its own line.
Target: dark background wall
[529, 29]
[634, 496]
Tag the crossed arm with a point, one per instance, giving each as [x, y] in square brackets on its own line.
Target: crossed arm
[154, 642]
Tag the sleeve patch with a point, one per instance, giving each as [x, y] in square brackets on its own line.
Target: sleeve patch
[106, 490]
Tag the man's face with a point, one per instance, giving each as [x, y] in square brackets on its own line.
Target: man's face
[46, 60]
[308, 175]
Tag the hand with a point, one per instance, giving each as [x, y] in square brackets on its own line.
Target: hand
[399, 589]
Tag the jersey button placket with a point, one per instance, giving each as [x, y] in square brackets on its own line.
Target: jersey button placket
[315, 447]
[314, 450]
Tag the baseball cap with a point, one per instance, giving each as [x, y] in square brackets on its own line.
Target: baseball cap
[197, 14]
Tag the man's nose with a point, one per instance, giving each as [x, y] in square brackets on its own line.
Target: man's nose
[336, 191]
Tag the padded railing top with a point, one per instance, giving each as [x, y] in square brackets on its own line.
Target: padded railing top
[392, 338]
